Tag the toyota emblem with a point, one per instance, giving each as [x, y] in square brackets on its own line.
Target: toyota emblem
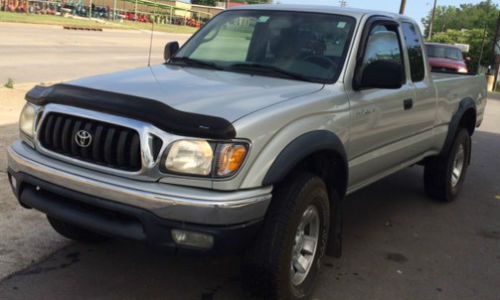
[83, 138]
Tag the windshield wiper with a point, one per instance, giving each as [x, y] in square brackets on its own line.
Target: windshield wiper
[269, 69]
[187, 61]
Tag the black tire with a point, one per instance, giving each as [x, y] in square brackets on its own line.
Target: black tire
[438, 172]
[267, 267]
[75, 233]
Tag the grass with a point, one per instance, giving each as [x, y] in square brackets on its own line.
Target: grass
[9, 84]
[58, 20]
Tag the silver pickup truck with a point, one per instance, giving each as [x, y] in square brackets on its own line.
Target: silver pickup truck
[248, 138]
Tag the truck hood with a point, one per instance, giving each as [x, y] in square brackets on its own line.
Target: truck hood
[221, 94]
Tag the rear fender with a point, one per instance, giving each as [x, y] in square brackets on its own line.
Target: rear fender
[454, 125]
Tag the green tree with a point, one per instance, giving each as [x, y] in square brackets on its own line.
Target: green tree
[465, 24]
[466, 16]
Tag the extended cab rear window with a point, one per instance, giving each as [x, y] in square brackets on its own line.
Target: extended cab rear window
[415, 52]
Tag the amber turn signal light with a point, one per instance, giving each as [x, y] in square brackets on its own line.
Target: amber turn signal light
[230, 159]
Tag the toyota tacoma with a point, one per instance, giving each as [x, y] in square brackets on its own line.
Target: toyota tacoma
[248, 138]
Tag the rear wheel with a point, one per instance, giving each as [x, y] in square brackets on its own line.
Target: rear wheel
[285, 260]
[74, 232]
[444, 174]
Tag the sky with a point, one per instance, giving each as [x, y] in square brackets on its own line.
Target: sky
[417, 9]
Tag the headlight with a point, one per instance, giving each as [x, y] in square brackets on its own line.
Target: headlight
[203, 158]
[27, 120]
[191, 157]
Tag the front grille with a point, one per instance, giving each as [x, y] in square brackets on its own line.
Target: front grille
[110, 145]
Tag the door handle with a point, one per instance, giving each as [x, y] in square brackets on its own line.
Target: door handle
[408, 104]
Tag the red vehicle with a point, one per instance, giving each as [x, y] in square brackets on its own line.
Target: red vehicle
[446, 58]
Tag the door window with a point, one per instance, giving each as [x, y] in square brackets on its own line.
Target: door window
[381, 65]
[383, 44]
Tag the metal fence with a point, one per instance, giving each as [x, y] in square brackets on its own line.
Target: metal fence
[144, 11]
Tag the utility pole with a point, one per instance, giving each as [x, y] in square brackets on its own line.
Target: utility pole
[482, 47]
[494, 54]
[343, 3]
[402, 7]
[227, 4]
[431, 25]
[496, 40]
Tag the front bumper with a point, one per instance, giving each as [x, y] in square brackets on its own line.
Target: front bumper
[136, 210]
[186, 204]
[123, 221]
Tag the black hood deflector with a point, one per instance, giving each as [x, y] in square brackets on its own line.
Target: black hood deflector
[143, 109]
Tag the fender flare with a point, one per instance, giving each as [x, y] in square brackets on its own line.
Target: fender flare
[302, 147]
[465, 104]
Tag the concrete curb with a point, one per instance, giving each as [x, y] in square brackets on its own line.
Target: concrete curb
[494, 95]
[82, 28]
[124, 28]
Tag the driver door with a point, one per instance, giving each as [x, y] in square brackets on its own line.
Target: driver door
[378, 114]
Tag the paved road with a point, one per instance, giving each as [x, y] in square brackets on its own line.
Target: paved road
[38, 53]
[398, 245]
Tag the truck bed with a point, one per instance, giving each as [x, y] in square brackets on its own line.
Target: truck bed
[452, 88]
[446, 75]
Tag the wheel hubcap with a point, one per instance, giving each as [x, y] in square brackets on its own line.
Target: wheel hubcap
[305, 245]
[458, 165]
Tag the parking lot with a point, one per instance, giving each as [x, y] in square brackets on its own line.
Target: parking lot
[398, 244]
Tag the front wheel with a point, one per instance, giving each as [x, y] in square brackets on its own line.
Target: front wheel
[444, 174]
[285, 260]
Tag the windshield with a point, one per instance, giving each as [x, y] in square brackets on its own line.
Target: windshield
[437, 51]
[296, 45]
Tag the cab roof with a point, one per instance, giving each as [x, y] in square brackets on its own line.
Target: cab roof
[347, 11]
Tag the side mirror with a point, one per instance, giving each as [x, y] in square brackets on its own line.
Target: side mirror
[170, 49]
[382, 74]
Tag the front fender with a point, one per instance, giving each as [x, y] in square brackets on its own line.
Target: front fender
[273, 129]
[300, 148]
